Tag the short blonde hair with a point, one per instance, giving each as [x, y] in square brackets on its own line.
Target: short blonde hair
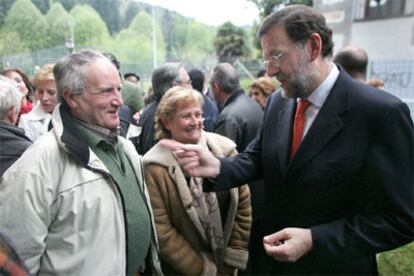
[265, 85]
[170, 102]
[44, 74]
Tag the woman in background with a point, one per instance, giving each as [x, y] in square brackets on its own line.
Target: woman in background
[24, 85]
[199, 233]
[261, 89]
[36, 122]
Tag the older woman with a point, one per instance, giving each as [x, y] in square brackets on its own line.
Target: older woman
[199, 233]
[261, 89]
[23, 84]
[36, 122]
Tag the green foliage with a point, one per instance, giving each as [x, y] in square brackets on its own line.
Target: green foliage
[32, 29]
[4, 8]
[132, 10]
[230, 43]
[12, 43]
[58, 24]
[68, 4]
[141, 25]
[89, 28]
[42, 5]
[397, 262]
[185, 38]
[109, 12]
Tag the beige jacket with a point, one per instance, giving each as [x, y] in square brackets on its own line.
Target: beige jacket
[184, 247]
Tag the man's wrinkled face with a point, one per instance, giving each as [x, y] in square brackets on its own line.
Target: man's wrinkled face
[101, 99]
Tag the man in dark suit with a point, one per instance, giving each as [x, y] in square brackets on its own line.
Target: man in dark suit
[210, 110]
[346, 193]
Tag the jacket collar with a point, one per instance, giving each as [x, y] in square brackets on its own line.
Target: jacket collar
[232, 97]
[327, 123]
[67, 134]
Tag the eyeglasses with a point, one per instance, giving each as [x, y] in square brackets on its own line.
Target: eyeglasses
[274, 60]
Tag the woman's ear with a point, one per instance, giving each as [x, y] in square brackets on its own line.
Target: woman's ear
[166, 123]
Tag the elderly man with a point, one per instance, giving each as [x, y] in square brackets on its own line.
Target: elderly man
[76, 202]
[13, 140]
[336, 156]
[163, 78]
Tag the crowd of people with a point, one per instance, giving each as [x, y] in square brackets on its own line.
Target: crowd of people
[311, 171]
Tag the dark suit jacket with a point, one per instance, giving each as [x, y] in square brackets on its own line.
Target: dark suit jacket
[351, 180]
[146, 139]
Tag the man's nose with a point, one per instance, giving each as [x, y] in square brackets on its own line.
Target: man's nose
[271, 71]
[117, 100]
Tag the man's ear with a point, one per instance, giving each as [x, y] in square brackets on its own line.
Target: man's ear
[315, 46]
[12, 115]
[70, 99]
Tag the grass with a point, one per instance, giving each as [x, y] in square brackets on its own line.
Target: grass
[397, 262]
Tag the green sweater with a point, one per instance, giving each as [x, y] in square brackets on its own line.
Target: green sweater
[136, 214]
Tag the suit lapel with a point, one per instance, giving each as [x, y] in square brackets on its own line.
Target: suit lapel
[327, 123]
[283, 136]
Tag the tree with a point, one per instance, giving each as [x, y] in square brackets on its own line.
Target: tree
[14, 44]
[142, 25]
[230, 43]
[132, 10]
[58, 22]
[89, 27]
[69, 4]
[109, 12]
[42, 5]
[32, 29]
[4, 8]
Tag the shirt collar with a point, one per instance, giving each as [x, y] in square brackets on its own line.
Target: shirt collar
[96, 134]
[318, 97]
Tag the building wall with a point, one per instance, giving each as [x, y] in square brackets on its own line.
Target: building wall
[387, 39]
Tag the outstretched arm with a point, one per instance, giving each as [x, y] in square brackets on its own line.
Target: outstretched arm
[195, 160]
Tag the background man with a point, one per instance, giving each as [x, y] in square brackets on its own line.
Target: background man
[354, 60]
[132, 77]
[210, 110]
[163, 78]
[13, 140]
[76, 202]
[339, 176]
[240, 119]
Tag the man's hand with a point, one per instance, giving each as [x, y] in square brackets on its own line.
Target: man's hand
[195, 160]
[289, 244]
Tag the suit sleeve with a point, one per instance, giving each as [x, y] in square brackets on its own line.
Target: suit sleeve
[238, 170]
[387, 221]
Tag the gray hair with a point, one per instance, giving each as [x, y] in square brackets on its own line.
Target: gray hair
[300, 23]
[163, 77]
[10, 97]
[71, 72]
[226, 77]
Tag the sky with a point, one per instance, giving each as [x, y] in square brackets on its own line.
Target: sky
[212, 12]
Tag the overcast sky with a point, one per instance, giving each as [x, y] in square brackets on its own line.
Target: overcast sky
[212, 12]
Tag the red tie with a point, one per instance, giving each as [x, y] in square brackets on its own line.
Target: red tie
[298, 126]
